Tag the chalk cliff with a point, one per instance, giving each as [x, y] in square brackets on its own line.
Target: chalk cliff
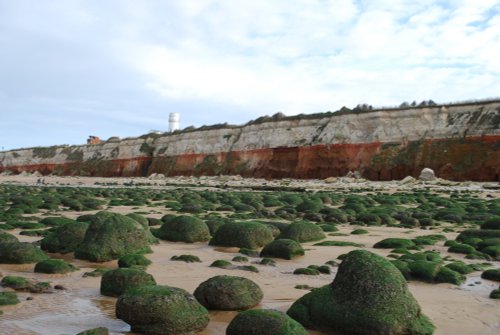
[459, 141]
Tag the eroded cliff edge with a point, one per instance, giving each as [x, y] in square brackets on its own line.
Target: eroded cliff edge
[459, 141]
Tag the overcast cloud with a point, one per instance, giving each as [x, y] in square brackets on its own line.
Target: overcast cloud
[70, 68]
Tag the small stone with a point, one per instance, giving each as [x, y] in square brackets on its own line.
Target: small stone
[59, 287]
[427, 175]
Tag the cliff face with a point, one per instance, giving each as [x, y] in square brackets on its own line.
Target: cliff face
[460, 142]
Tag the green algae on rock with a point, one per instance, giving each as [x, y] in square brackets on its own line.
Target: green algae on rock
[264, 322]
[283, 248]
[133, 260]
[251, 235]
[20, 253]
[65, 238]
[302, 231]
[368, 296]
[8, 298]
[111, 236]
[183, 228]
[116, 282]
[162, 310]
[228, 293]
[54, 266]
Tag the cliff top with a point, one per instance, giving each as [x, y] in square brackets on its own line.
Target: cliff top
[359, 109]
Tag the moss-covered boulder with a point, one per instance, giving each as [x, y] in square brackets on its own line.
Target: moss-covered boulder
[495, 294]
[8, 298]
[392, 243]
[143, 221]
[228, 293]
[65, 238]
[302, 231]
[460, 267]
[20, 253]
[131, 260]
[307, 272]
[368, 296]
[139, 218]
[264, 322]
[493, 223]
[214, 223]
[23, 284]
[111, 236]
[7, 238]
[221, 263]
[116, 282]
[447, 275]
[186, 258]
[462, 248]
[54, 266]
[481, 233]
[184, 228]
[16, 283]
[161, 310]
[55, 221]
[491, 274]
[251, 235]
[491, 248]
[424, 270]
[283, 248]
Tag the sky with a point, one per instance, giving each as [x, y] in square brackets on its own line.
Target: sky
[73, 68]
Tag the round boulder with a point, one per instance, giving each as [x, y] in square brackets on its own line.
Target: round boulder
[302, 231]
[184, 228]
[54, 266]
[283, 248]
[251, 235]
[264, 322]
[162, 310]
[7, 238]
[116, 282]
[20, 253]
[228, 293]
[65, 238]
[368, 296]
[131, 260]
[427, 175]
[111, 236]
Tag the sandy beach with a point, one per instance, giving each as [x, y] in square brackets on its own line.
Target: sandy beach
[464, 309]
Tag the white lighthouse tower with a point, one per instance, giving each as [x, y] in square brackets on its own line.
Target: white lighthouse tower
[173, 122]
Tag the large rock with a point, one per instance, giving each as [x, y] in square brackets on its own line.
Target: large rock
[368, 296]
[116, 282]
[111, 236]
[302, 231]
[20, 253]
[427, 175]
[264, 322]
[228, 293]
[283, 248]
[54, 266]
[251, 235]
[66, 238]
[161, 310]
[184, 228]
[7, 238]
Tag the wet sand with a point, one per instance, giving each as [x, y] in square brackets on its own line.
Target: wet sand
[454, 310]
